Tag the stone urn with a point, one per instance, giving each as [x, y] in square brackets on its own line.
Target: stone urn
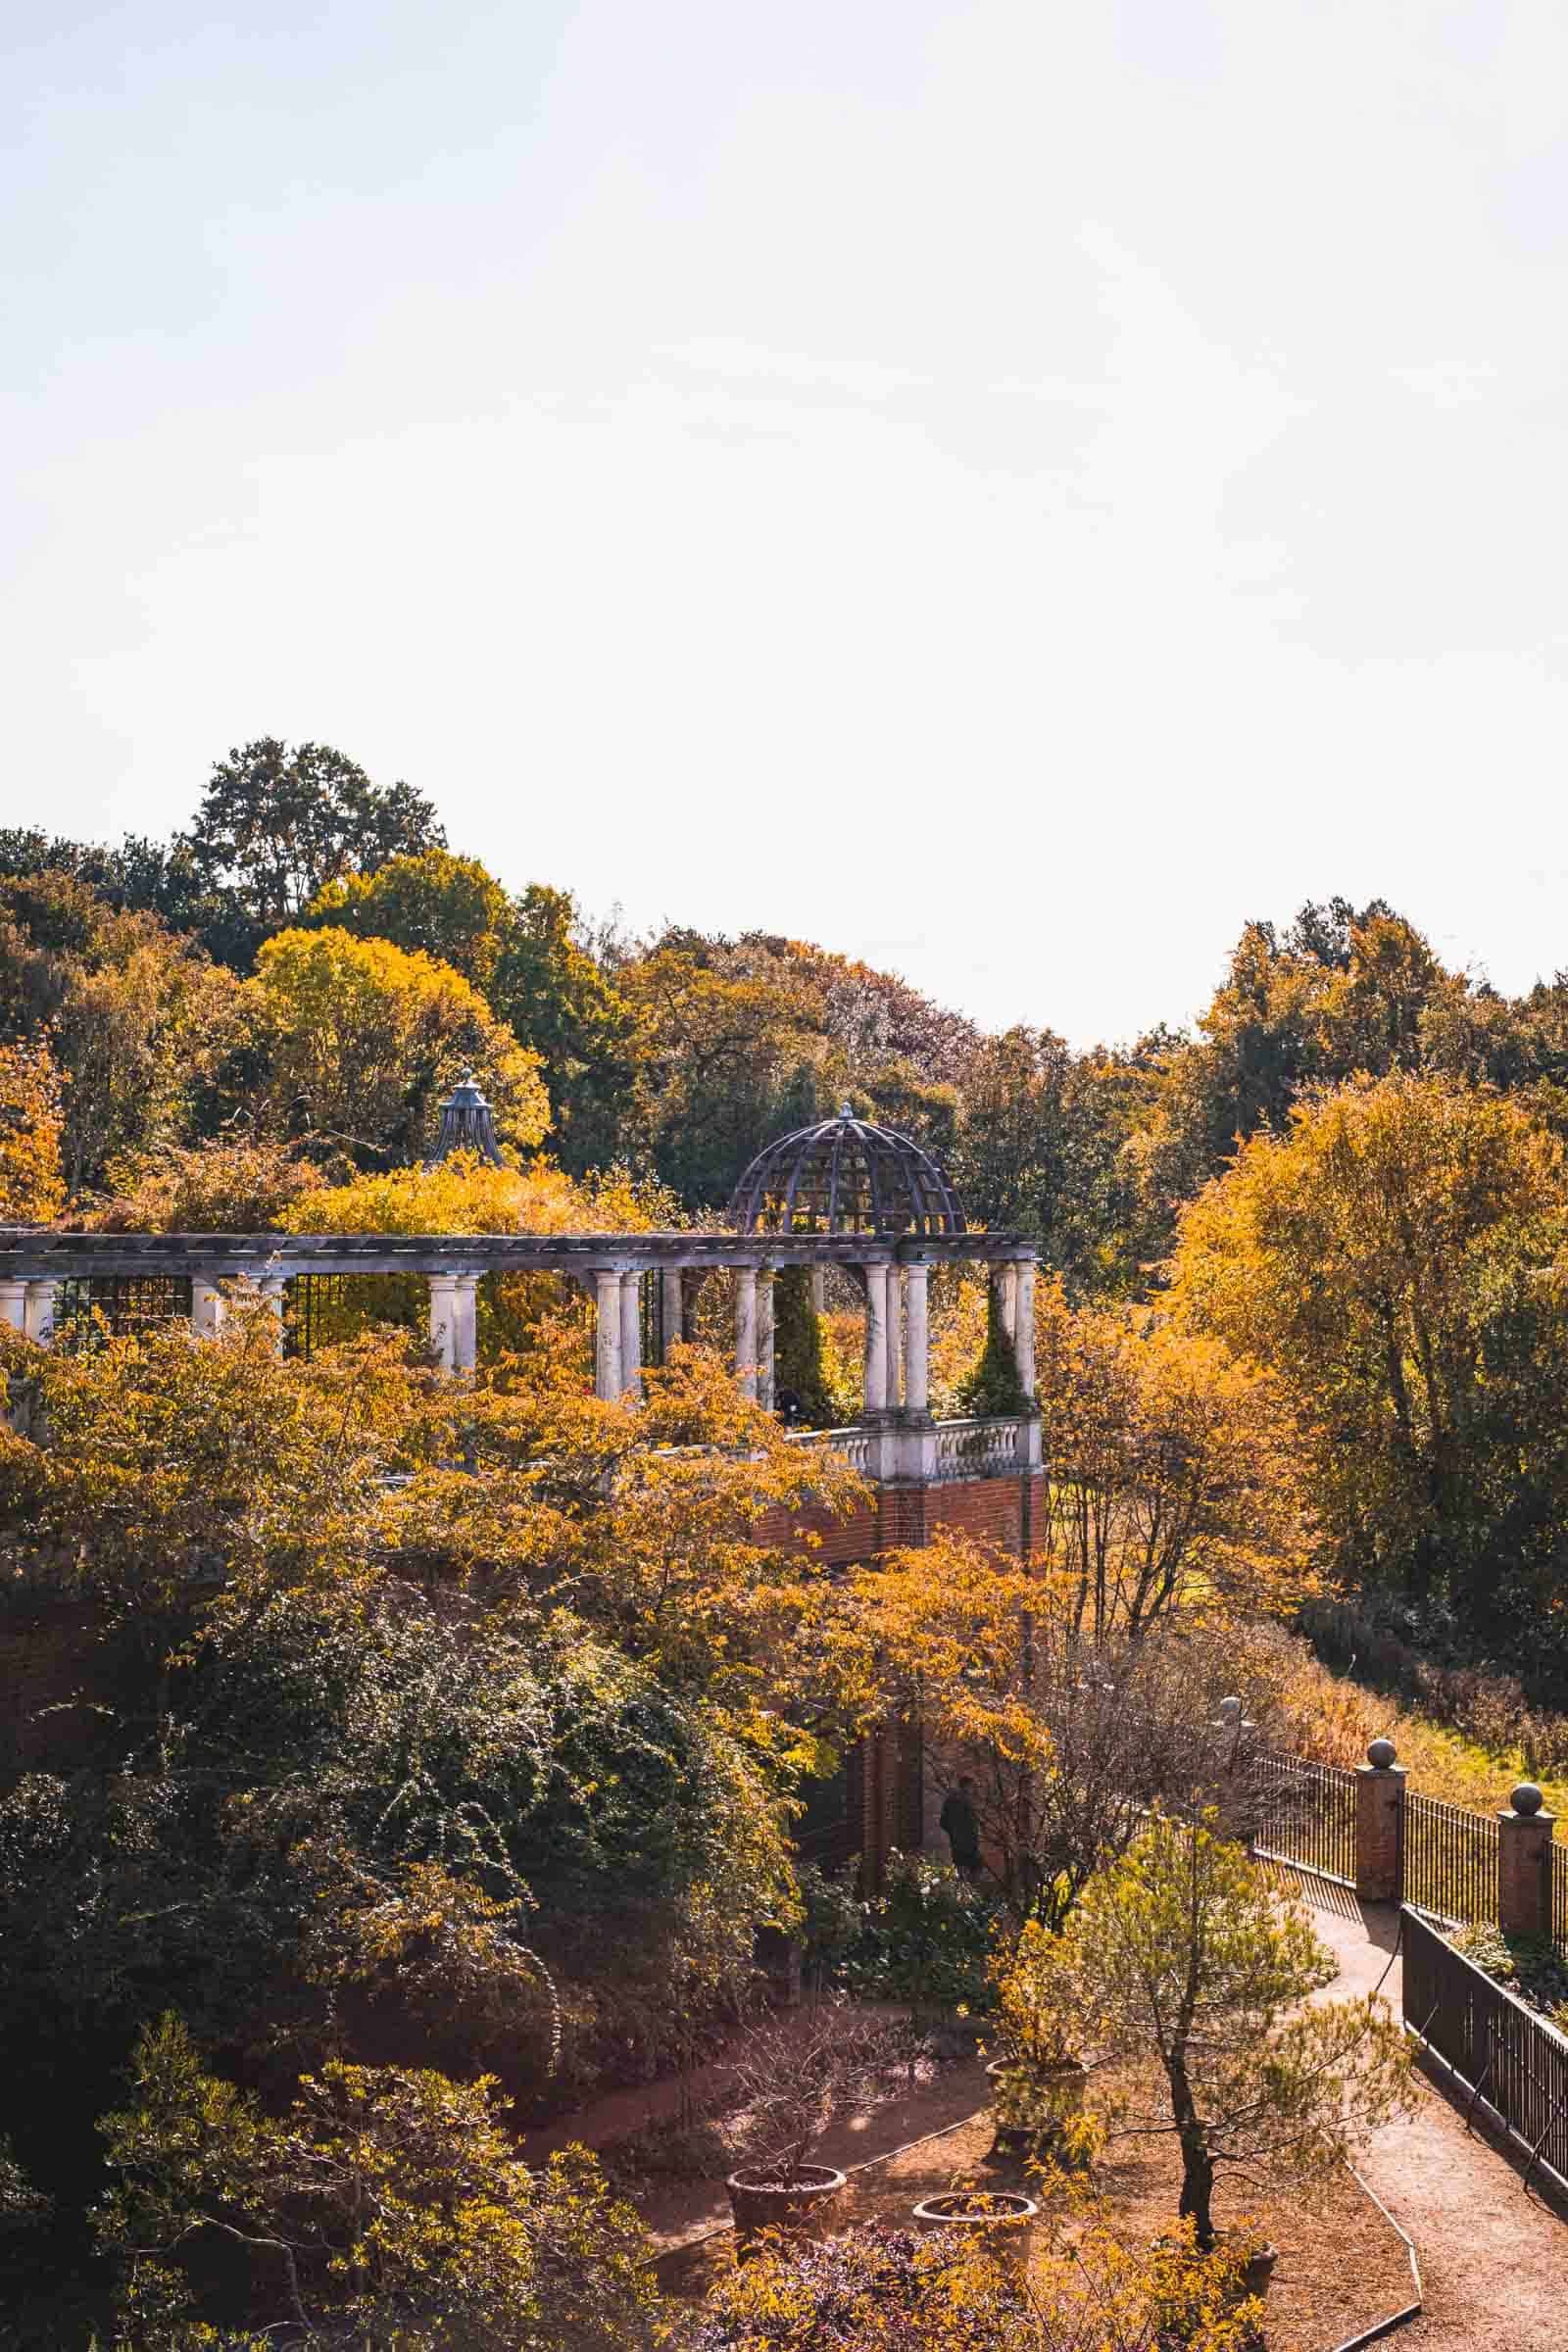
[1033, 2105]
[1001, 2220]
[802, 2204]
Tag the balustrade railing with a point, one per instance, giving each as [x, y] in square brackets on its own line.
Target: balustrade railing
[854, 1445]
[981, 1447]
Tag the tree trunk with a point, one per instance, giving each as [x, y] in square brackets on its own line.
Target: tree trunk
[1197, 2190]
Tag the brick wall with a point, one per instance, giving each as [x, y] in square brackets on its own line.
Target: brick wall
[1002, 1511]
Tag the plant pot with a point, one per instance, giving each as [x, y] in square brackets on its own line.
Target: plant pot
[1034, 2105]
[1001, 2220]
[804, 2205]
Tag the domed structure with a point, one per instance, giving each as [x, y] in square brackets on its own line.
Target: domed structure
[845, 1176]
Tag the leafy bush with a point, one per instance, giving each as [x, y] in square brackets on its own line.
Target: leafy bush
[872, 2287]
[927, 1940]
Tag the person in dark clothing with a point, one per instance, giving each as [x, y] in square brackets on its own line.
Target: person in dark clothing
[962, 1829]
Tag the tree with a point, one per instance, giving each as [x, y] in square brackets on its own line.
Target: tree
[31, 1185]
[571, 1012]
[276, 825]
[446, 907]
[358, 1040]
[387, 2206]
[1392, 1259]
[1190, 1966]
[1173, 1476]
[230, 1184]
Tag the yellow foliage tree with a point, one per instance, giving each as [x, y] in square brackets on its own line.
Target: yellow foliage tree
[360, 1038]
[31, 1179]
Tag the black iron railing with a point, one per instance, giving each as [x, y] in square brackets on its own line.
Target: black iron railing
[1450, 1860]
[122, 1303]
[1308, 1816]
[1506, 2054]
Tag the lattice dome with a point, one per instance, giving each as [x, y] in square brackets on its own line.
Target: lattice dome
[845, 1176]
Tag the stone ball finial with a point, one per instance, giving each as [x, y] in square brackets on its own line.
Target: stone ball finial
[1229, 1708]
[1381, 1754]
[1526, 1798]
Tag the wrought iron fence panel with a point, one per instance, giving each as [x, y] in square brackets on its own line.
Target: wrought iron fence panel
[124, 1303]
[1509, 2057]
[1559, 1898]
[1450, 1861]
[1309, 1815]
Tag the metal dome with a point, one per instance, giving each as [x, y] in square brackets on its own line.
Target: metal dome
[845, 1176]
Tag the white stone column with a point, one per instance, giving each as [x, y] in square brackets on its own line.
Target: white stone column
[1023, 1337]
[631, 1334]
[206, 1309]
[444, 1319]
[745, 1328]
[820, 1290]
[895, 1335]
[916, 1342]
[876, 1338]
[673, 1308]
[606, 1334]
[764, 1339]
[465, 1322]
[271, 1290]
[14, 1304]
[39, 1313]
[1006, 1279]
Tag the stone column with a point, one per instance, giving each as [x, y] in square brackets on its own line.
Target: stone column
[606, 1334]
[764, 1339]
[876, 1338]
[916, 1345]
[671, 1308]
[1023, 1333]
[820, 1290]
[465, 1322]
[14, 1304]
[746, 1329]
[631, 1334]
[1006, 1279]
[895, 1335]
[444, 1319]
[1524, 1865]
[207, 1309]
[271, 1290]
[38, 1313]
[1379, 1825]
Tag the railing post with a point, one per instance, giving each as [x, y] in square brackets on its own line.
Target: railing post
[1524, 1864]
[1379, 1825]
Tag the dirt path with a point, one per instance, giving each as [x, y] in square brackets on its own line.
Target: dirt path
[1493, 2255]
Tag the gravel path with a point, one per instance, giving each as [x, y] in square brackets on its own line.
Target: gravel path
[1493, 2256]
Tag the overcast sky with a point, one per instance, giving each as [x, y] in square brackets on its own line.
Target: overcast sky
[1007, 490]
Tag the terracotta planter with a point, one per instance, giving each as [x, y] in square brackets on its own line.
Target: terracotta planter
[1034, 2105]
[1000, 2219]
[758, 2205]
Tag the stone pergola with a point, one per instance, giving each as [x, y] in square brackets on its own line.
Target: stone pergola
[842, 1194]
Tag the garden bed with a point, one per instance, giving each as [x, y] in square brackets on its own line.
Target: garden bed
[1342, 2266]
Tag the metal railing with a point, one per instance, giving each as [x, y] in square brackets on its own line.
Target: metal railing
[1309, 1817]
[1450, 1860]
[1506, 2055]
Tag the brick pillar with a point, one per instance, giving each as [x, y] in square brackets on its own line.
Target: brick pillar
[1379, 1825]
[1524, 1864]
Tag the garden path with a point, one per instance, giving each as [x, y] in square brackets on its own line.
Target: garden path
[1493, 2255]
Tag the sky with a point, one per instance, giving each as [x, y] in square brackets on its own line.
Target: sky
[1011, 491]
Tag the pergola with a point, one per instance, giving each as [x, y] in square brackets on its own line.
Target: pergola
[840, 1194]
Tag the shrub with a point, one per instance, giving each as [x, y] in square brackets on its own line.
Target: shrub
[927, 1940]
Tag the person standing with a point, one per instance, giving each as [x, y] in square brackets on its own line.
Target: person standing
[958, 1819]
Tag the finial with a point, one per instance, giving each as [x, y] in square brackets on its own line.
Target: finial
[1528, 1799]
[845, 1112]
[1381, 1754]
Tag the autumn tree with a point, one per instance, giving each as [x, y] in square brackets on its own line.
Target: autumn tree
[1393, 1260]
[275, 824]
[388, 2205]
[31, 1183]
[358, 1040]
[1172, 1464]
[562, 1003]
[433, 903]
[1193, 1970]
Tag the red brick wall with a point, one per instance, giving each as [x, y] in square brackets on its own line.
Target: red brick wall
[992, 1509]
